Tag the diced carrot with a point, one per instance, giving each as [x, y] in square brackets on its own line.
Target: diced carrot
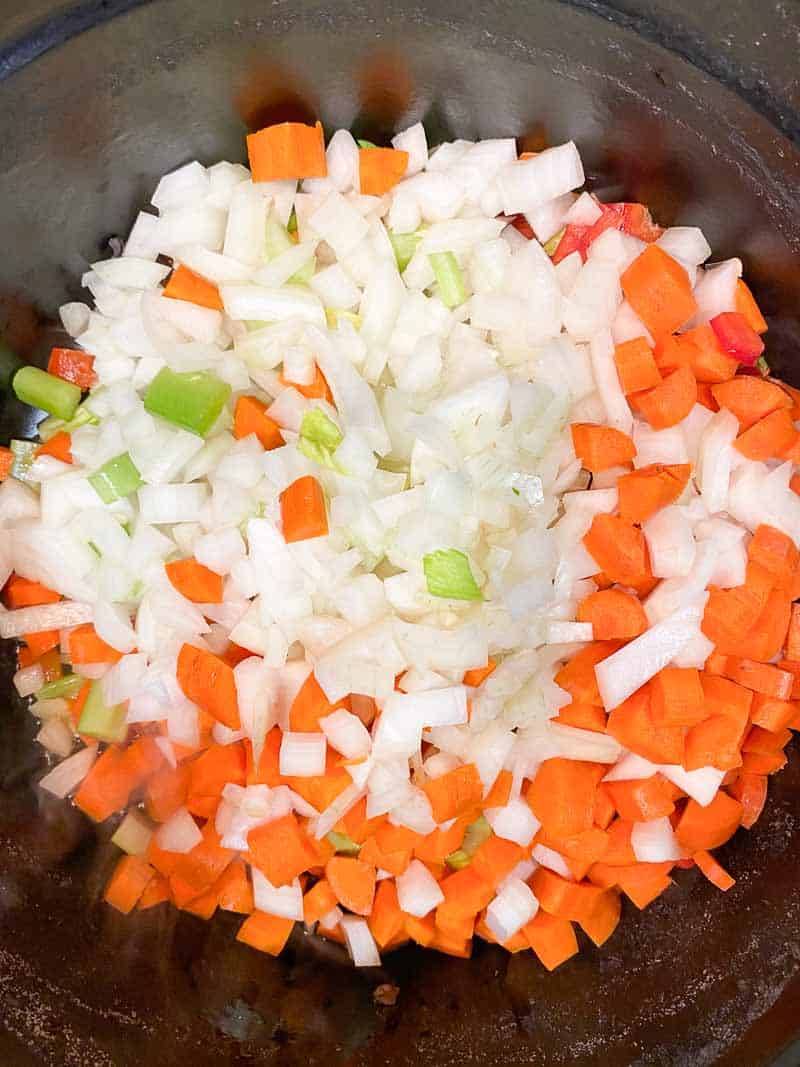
[775, 552]
[352, 882]
[566, 900]
[761, 677]
[601, 447]
[250, 416]
[380, 169]
[767, 635]
[791, 667]
[202, 807]
[267, 933]
[321, 790]
[715, 742]
[155, 892]
[670, 402]
[603, 810]
[746, 305]
[215, 768]
[184, 284]
[287, 151]
[766, 742]
[708, 827]
[356, 824]
[6, 462]
[182, 892]
[670, 353]
[458, 927]
[643, 799]
[59, 447]
[562, 794]
[318, 901]
[676, 697]
[438, 845]
[649, 489]
[768, 438]
[498, 796]
[281, 850]
[751, 792]
[72, 365]
[364, 707]
[204, 864]
[714, 872]
[750, 398]
[618, 547]
[131, 877]
[478, 675]
[166, 791]
[86, 646]
[454, 793]
[164, 862]
[552, 939]
[386, 919]
[723, 697]
[577, 676]
[658, 289]
[41, 642]
[106, 787]
[708, 361]
[643, 882]
[51, 665]
[394, 862]
[208, 681]
[763, 762]
[422, 931]
[636, 366]
[465, 893]
[452, 946]
[632, 724]
[195, 581]
[588, 846]
[310, 705]
[317, 390]
[619, 851]
[583, 717]
[706, 397]
[772, 714]
[601, 923]
[613, 614]
[20, 592]
[303, 514]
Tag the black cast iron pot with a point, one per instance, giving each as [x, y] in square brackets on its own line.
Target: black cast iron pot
[691, 107]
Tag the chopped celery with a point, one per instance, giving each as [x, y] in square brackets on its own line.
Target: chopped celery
[448, 574]
[42, 390]
[449, 278]
[344, 844]
[192, 400]
[68, 687]
[762, 367]
[255, 324]
[101, 722]
[50, 426]
[277, 238]
[9, 365]
[24, 455]
[362, 142]
[335, 315]
[404, 245]
[133, 834]
[305, 274]
[291, 225]
[476, 833]
[551, 245]
[319, 438]
[116, 479]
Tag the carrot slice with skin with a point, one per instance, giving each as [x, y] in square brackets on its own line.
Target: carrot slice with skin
[287, 151]
[709, 827]
[184, 284]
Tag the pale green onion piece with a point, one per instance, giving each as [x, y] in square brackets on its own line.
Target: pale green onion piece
[68, 687]
[404, 245]
[319, 438]
[291, 225]
[278, 240]
[305, 274]
[255, 324]
[362, 142]
[42, 390]
[449, 278]
[336, 315]
[343, 844]
[116, 479]
[100, 721]
[24, 455]
[551, 245]
[448, 574]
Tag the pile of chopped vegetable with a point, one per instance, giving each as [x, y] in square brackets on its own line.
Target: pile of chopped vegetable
[410, 550]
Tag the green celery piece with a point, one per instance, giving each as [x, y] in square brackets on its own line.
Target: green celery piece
[343, 844]
[449, 278]
[404, 245]
[277, 239]
[476, 833]
[24, 455]
[116, 479]
[67, 687]
[362, 142]
[763, 367]
[101, 722]
[133, 833]
[448, 574]
[551, 245]
[335, 315]
[46, 392]
[10, 363]
[50, 426]
[319, 438]
[291, 225]
[192, 400]
[255, 324]
[305, 274]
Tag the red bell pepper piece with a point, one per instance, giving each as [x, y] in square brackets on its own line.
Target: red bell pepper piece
[737, 337]
[633, 219]
[74, 366]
